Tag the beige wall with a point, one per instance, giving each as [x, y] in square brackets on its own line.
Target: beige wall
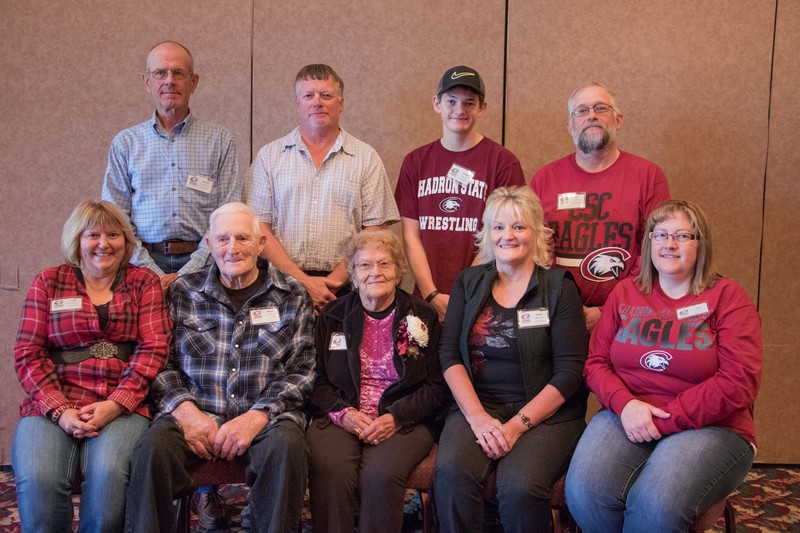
[695, 82]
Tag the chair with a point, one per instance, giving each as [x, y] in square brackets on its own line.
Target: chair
[208, 473]
[708, 519]
[421, 479]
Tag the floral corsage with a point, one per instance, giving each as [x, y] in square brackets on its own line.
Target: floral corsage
[411, 336]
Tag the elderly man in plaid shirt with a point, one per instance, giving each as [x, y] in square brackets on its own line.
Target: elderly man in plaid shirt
[242, 366]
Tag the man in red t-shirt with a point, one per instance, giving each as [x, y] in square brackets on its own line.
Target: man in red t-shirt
[442, 189]
[597, 200]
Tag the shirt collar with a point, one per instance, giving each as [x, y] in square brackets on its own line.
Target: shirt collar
[344, 142]
[177, 130]
[212, 286]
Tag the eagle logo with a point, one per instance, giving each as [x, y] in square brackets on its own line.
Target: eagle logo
[450, 204]
[605, 264]
[657, 360]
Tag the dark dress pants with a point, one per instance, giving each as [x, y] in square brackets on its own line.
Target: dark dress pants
[276, 472]
[343, 471]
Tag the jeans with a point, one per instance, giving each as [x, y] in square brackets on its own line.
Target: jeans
[614, 484]
[170, 263]
[342, 467]
[276, 472]
[46, 460]
[524, 477]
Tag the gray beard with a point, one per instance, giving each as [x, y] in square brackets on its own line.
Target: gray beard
[589, 144]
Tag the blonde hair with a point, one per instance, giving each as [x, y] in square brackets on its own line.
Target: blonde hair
[383, 237]
[88, 214]
[523, 203]
[319, 71]
[705, 271]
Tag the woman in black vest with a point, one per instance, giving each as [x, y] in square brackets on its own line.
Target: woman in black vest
[512, 352]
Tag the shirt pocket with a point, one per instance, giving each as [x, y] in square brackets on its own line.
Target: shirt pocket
[197, 337]
[274, 339]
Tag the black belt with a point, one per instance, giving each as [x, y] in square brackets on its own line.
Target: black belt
[171, 247]
[320, 273]
[99, 350]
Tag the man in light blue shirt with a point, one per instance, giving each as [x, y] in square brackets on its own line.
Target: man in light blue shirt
[169, 173]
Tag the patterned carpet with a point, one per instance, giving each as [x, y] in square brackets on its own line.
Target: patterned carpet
[768, 501]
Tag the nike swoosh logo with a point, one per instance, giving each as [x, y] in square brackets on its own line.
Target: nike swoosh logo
[456, 75]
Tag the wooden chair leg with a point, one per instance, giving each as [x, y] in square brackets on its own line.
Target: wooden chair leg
[184, 514]
[730, 517]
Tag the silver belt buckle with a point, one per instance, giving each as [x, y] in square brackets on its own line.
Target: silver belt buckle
[103, 350]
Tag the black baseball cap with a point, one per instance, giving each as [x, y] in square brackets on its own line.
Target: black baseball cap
[463, 76]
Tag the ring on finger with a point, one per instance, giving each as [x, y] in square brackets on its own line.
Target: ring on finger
[375, 441]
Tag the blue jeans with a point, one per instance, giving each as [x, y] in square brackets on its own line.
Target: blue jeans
[170, 263]
[45, 461]
[615, 485]
[524, 477]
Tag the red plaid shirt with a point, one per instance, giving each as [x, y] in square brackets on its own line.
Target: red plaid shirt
[136, 313]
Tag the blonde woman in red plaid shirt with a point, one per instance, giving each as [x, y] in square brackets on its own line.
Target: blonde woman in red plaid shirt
[94, 333]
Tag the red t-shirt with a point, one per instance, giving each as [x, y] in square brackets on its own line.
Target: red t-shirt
[704, 368]
[450, 212]
[601, 242]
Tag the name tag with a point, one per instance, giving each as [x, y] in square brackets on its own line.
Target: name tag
[66, 304]
[199, 183]
[460, 174]
[533, 318]
[267, 315]
[692, 310]
[571, 200]
[338, 342]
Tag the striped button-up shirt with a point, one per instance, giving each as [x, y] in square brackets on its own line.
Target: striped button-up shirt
[315, 211]
[227, 361]
[148, 178]
[136, 313]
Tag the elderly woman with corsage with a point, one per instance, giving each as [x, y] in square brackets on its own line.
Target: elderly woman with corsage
[676, 363]
[94, 333]
[377, 393]
[512, 351]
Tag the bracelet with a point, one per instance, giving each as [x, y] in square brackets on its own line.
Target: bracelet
[525, 420]
[431, 296]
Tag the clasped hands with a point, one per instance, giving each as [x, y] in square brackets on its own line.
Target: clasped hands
[209, 441]
[495, 438]
[369, 430]
[87, 421]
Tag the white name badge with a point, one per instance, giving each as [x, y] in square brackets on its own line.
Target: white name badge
[199, 183]
[571, 200]
[338, 342]
[266, 315]
[66, 304]
[692, 310]
[533, 318]
[460, 174]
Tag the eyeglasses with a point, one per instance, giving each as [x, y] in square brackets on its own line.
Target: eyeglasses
[600, 109]
[662, 236]
[177, 73]
[383, 266]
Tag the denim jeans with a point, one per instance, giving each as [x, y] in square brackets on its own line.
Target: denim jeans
[170, 263]
[615, 485]
[524, 477]
[45, 461]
